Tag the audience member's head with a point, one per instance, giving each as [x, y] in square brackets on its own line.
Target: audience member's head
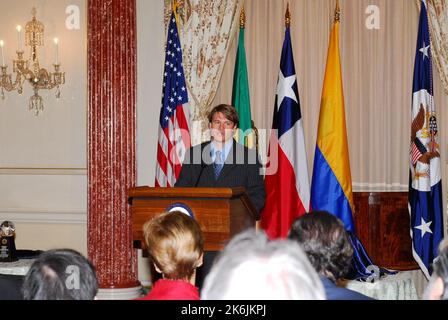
[438, 284]
[175, 245]
[60, 274]
[253, 268]
[325, 241]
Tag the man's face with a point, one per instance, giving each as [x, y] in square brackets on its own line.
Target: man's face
[221, 128]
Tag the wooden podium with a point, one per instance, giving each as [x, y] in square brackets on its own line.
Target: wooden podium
[221, 212]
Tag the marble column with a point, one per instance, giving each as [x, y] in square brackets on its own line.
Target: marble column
[112, 54]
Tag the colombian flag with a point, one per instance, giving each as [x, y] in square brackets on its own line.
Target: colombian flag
[331, 185]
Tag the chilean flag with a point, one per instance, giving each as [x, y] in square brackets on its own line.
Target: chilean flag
[287, 179]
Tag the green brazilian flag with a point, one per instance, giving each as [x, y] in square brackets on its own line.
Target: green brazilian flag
[240, 95]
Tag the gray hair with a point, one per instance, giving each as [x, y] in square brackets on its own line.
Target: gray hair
[439, 275]
[253, 268]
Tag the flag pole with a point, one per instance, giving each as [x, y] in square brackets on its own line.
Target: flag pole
[242, 19]
[337, 12]
[175, 7]
[287, 17]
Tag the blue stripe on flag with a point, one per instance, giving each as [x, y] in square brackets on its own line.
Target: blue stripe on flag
[333, 201]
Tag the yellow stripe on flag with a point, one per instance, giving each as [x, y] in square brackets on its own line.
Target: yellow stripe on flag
[332, 133]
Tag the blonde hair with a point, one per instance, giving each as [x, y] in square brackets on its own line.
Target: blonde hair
[175, 244]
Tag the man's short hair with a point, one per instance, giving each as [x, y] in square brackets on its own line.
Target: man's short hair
[325, 241]
[175, 244]
[60, 274]
[227, 110]
[252, 267]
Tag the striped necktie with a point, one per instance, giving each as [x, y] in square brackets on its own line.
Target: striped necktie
[218, 164]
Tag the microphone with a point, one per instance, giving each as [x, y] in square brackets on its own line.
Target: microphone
[203, 165]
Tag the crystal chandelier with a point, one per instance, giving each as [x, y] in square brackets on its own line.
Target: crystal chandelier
[30, 70]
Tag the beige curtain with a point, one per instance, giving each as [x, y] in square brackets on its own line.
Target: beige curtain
[207, 29]
[438, 26]
[377, 69]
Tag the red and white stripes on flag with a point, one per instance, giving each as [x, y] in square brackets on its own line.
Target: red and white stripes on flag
[174, 133]
[415, 153]
[173, 142]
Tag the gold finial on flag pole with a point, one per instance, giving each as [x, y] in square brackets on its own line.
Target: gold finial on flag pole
[337, 12]
[242, 18]
[175, 6]
[287, 17]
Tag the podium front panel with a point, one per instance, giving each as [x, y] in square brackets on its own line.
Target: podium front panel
[217, 225]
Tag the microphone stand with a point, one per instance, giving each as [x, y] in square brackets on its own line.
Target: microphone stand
[203, 165]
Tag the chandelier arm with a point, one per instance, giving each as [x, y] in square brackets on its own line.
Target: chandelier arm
[6, 83]
[18, 83]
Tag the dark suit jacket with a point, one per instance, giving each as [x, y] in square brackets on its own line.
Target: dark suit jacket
[241, 169]
[333, 292]
[10, 287]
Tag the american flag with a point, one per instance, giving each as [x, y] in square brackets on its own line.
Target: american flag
[417, 150]
[174, 135]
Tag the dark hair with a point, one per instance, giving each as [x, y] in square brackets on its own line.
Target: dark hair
[325, 241]
[440, 266]
[227, 110]
[60, 274]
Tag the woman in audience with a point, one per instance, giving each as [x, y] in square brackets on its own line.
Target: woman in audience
[175, 245]
[326, 243]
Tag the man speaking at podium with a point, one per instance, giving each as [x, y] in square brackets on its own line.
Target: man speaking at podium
[222, 163]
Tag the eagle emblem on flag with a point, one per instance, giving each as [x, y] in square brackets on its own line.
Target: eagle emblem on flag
[424, 145]
[425, 179]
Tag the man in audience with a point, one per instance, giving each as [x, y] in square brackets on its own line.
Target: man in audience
[438, 284]
[60, 274]
[327, 245]
[253, 268]
[175, 245]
